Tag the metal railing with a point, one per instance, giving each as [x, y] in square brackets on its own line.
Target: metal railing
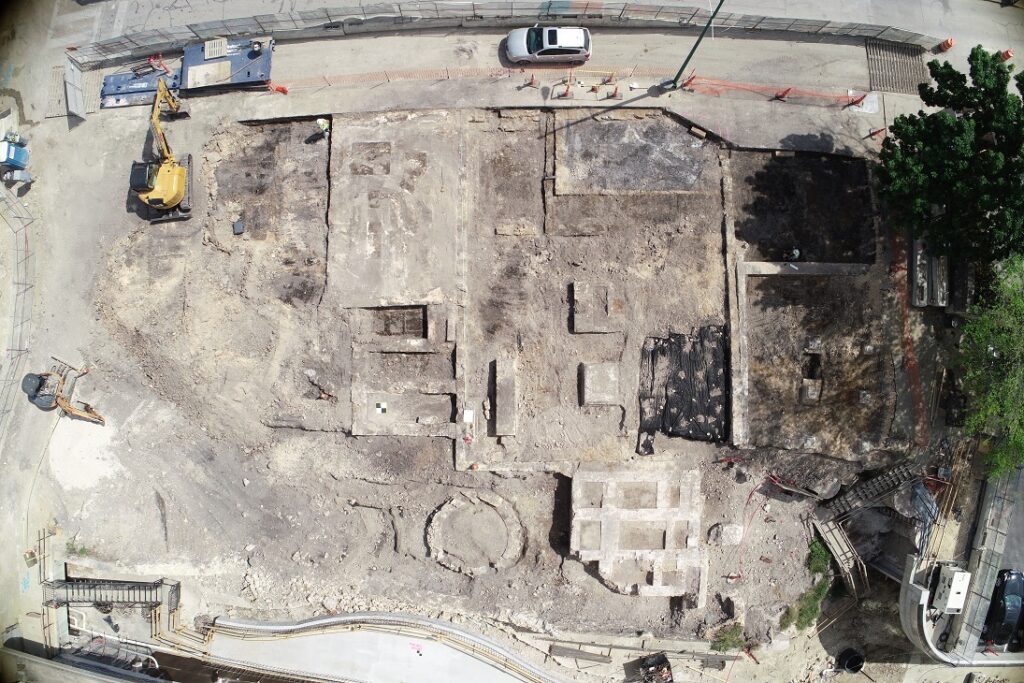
[356, 19]
[103, 591]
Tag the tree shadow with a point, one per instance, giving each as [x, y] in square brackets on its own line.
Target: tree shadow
[810, 196]
[821, 347]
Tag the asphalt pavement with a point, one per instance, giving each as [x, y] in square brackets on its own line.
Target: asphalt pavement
[363, 655]
[969, 22]
[1013, 554]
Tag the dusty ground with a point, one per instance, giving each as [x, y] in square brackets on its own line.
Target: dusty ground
[646, 239]
[226, 471]
[241, 462]
[397, 262]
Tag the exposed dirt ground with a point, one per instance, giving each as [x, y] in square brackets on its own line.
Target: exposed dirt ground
[640, 245]
[820, 205]
[840, 316]
[413, 279]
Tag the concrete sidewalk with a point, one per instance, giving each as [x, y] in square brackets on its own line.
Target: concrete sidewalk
[372, 646]
[362, 655]
[365, 74]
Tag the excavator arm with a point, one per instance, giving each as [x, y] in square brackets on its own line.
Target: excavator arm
[164, 98]
[165, 187]
[85, 412]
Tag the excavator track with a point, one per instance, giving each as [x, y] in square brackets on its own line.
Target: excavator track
[186, 201]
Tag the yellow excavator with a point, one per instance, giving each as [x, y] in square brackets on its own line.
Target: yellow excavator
[55, 389]
[164, 186]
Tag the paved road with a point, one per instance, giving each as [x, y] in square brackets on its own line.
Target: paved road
[969, 21]
[371, 647]
[362, 656]
[451, 70]
[825, 67]
[1013, 555]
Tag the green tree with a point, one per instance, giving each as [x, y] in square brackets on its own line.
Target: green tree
[992, 353]
[729, 637]
[955, 177]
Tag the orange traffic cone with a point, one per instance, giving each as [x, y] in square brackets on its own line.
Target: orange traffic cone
[857, 100]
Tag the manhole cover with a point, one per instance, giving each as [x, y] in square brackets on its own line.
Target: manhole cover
[894, 67]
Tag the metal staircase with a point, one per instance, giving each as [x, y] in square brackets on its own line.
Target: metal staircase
[851, 567]
[871, 491]
[829, 517]
[103, 592]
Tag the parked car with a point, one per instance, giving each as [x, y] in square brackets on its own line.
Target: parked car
[1004, 611]
[548, 44]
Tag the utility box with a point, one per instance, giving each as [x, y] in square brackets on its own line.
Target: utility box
[952, 589]
[13, 156]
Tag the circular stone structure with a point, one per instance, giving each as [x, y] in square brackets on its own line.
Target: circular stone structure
[475, 532]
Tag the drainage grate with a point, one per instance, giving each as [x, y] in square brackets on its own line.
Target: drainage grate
[895, 67]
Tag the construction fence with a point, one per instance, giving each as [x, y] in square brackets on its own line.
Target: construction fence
[377, 17]
[16, 217]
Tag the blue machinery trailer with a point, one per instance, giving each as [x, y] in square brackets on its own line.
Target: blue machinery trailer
[215, 65]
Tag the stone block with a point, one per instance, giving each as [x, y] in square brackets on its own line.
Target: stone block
[596, 308]
[599, 384]
[505, 397]
[732, 534]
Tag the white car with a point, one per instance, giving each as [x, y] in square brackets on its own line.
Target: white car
[548, 44]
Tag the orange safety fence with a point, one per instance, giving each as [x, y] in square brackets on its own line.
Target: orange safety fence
[702, 85]
[898, 271]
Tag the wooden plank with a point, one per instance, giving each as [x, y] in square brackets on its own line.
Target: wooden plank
[93, 88]
[56, 98]
[204, 75]
[575, 653]
[73, 89]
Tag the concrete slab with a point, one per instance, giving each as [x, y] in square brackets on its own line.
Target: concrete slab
[644, 536]
[394, 192]
[596, 307]
[505, 397]
[364, 655]
[600, 384]
[616, 156]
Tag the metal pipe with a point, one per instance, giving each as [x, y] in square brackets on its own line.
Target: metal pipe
[679, 74]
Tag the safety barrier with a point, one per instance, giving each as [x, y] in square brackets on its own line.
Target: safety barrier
[356, 19]
[18, 219]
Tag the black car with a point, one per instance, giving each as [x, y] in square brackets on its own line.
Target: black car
[1005, 610]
